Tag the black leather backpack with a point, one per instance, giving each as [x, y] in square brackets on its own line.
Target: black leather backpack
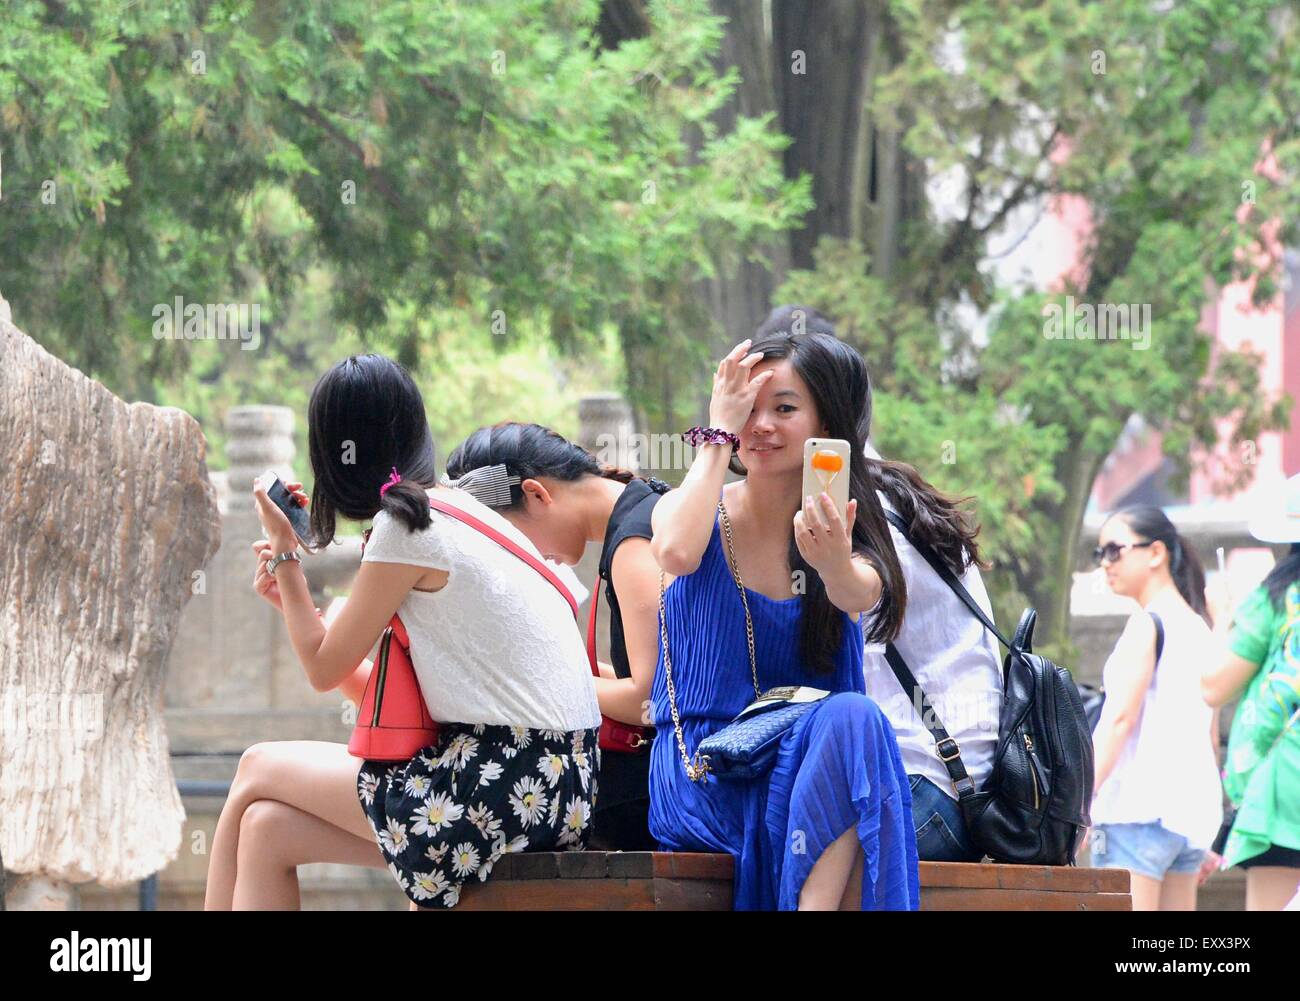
[1034, 807]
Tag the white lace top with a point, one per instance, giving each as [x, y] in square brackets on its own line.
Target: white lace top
[497, 644]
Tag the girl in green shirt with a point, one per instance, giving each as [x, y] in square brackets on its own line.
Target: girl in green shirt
[1262, 767]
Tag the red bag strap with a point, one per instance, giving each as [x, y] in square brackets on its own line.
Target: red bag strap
[591, 628]
[508, 543]
[399, 632]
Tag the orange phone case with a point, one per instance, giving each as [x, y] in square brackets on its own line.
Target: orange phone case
[819, 461]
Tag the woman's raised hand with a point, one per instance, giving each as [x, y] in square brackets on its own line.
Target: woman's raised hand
[822, 537]
[733, 389]
[263, 583]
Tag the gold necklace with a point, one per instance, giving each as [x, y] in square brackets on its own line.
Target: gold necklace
[696, 768]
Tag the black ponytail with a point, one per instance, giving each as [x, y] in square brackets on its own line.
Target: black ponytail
[365, 420]
[1151, 524]
[528, 451]
[408, 502]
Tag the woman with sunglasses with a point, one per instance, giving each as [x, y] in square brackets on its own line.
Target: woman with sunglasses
[1158, 802]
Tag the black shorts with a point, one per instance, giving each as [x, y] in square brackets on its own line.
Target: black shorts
[1276, 855]
[621, 821]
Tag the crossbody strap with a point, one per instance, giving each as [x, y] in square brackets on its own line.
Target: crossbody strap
[510, 544]
[949, 752]
[947, 747]
[591, 627]
[947, 576]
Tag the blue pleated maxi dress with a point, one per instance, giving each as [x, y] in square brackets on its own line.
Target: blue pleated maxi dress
[838, 768]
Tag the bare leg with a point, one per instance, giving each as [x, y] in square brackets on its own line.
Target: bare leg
[852, 899]
[1178, 891]
[317, 777]
[1146, 892]
[1270, 887]
[824, 888]
[274, 839]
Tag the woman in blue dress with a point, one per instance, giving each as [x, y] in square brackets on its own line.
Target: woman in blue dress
[830, 826]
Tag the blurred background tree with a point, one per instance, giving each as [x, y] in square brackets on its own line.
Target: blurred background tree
[549, 197]
[937, 134]
[437, 180]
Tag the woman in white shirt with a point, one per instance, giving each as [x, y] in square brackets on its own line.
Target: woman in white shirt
[953, 657]
[499, 658]
[1158, 802]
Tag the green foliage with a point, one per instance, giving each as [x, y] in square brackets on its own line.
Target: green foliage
[1160, 116]
[503, 164]
[963, 436]
[522, 192]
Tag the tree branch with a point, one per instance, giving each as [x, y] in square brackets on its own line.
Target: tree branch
[315, 116]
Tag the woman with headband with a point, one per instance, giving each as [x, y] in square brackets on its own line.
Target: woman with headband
[562, 498]
[499, 660]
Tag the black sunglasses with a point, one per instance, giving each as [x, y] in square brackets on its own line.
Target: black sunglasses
[1112, 551]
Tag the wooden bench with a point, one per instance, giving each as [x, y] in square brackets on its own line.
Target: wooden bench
[669, 881]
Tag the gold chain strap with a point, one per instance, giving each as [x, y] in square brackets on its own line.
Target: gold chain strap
[697, 767]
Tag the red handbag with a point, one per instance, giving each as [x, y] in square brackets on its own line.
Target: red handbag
[614, 735]
[393, 723]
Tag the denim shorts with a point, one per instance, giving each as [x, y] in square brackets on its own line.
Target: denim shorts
[940, 830]
[1147, 849]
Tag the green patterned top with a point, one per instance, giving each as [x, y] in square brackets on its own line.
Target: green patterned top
[1262, 771]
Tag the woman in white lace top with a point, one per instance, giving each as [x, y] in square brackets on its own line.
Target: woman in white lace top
[498, 656]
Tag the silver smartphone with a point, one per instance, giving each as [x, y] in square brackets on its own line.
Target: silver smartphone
[826, 469]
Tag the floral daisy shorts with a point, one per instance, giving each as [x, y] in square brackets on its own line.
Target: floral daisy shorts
[480, 792]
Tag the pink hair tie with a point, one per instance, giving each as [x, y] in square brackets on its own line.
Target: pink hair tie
[392, 482]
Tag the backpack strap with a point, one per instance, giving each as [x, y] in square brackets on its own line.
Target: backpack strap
[949, 752]
[946, 575]
[947, 747]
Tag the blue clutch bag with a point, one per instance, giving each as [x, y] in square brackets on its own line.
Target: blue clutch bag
[746, 747]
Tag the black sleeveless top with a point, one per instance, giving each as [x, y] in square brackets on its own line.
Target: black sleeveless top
[630, 519]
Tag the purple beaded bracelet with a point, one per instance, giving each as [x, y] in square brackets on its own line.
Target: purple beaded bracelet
[697, 436]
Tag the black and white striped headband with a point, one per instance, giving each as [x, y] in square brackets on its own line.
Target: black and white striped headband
[489, 485]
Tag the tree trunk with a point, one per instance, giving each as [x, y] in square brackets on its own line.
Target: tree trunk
[737, 302]
[1050, 580]
[816, 68]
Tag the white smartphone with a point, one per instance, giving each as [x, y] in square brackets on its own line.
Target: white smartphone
[826, 468]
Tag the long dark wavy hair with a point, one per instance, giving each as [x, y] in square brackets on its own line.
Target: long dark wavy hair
[837, 377]
[365, 419]
[1150, 524]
